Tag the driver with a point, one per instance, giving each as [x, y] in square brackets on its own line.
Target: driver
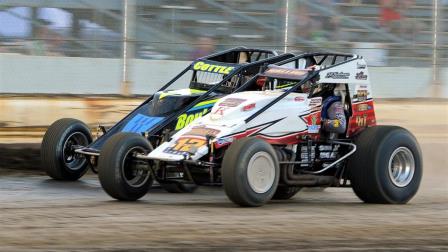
[336, 122]
[333, 115]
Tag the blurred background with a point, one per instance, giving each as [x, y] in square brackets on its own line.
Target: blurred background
[95, 60]
[50, 48]
[40, 38]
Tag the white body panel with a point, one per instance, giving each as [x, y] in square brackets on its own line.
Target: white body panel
[228, 117]
[288, 118]
[353, 72]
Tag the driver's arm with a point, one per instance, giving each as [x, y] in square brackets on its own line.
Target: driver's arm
[336, 121]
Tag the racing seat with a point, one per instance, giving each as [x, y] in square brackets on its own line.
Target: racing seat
[243, 58]
[236, 80]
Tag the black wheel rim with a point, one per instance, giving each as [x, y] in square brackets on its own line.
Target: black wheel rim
[132, 169]
[73, 160]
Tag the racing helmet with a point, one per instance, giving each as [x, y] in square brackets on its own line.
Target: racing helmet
[306, 87]
[323, 89]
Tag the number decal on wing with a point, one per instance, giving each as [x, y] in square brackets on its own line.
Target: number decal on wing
[189, 144]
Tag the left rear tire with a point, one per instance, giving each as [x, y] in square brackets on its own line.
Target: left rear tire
[387, 166]
[59, 159]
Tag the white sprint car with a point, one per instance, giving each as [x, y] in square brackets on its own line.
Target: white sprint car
[269, 143]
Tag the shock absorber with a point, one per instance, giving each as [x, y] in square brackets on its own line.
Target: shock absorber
[210, 159]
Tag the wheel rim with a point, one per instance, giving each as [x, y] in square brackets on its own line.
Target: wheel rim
[401, 167]
[132, 174]
[261, 172]
[73, 160]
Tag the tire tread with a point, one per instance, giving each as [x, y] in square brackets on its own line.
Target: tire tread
[49, 146]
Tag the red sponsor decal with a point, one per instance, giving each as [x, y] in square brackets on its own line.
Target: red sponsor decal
[363, 116]
[261, 81]
[249, 107]
[299, 99]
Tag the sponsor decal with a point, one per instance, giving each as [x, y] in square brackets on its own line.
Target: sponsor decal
[249, 107]
[231, 102]
[299, 99]
[287, 73]
[202, 131]
[315, 102]
[224, 141]
[197, 111]
[313, 123]
[219, 111]
[363, 107]
[186, 145]
[185, 119]
[285, 85]
[361, 76]
[339, 109]
[360, 65]
[188, 91]
[141, 123]
[313, 129]
[361, 95]
[361, 120]
[191, 141]
[313, 119]
[202, 66]
[336, 124]
[337, 75]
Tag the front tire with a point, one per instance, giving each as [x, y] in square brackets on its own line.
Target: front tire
[250, 172]
[59, 160]
[387, 166]
[121, 175]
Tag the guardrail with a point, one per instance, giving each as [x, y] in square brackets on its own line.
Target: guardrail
[68, 75]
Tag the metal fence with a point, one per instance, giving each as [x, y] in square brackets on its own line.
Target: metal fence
[387, 32]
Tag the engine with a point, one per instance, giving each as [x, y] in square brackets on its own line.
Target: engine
[318, 153]
[302, 164]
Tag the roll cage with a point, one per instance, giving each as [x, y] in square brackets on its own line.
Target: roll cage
[310, 59]
[221, 58]
[239, 69]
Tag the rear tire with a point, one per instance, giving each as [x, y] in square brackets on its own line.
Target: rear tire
[119, 173]
[387, 166]
[59, 160]
[250, 172]
[286, 192]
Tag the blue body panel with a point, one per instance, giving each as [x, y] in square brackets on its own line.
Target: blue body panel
[141, 123]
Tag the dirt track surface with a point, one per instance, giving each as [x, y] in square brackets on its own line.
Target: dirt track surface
[37, 213]
[40, 214]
